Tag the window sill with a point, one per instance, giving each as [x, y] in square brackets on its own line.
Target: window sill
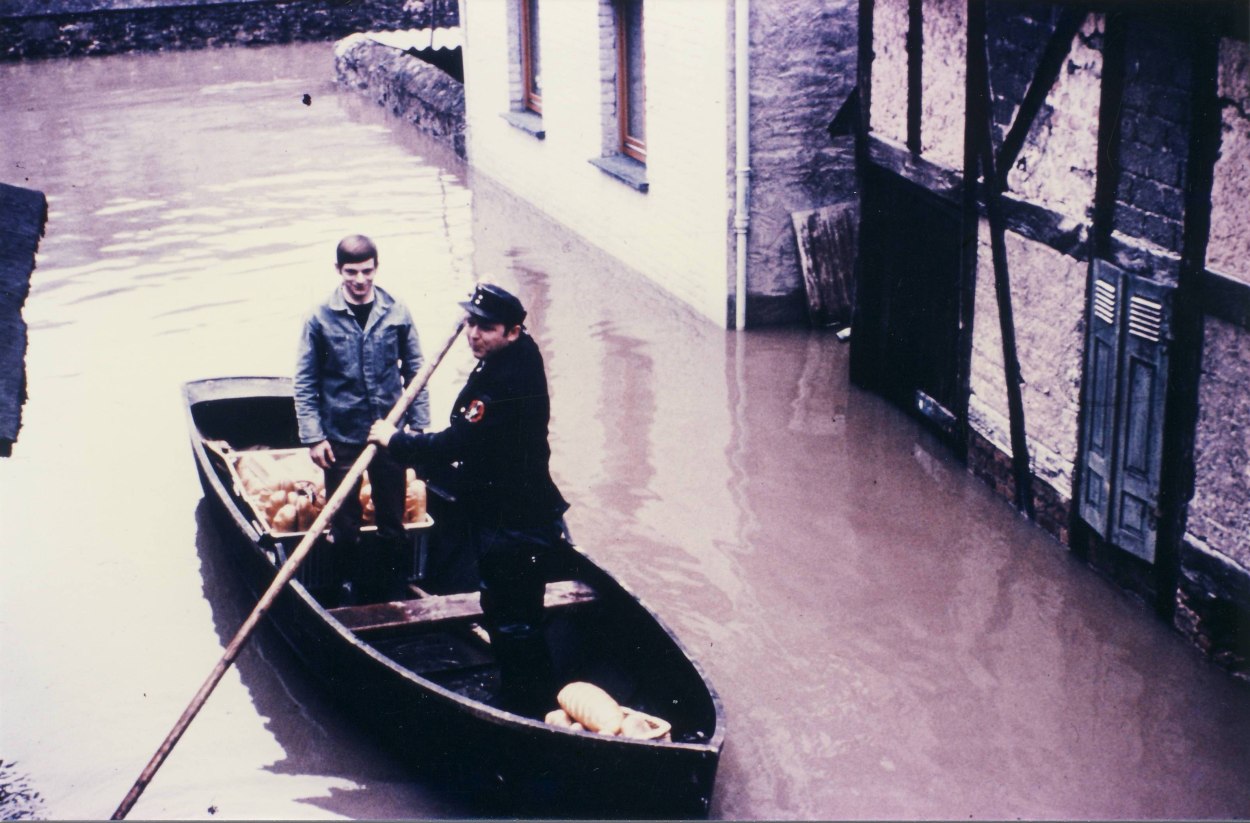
[626, 169]
[527, 121]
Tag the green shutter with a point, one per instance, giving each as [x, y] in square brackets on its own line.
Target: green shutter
[1102, 357]
[1143, 384]
[1128, 328]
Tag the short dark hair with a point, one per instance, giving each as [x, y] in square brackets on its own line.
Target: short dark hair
[356, 248]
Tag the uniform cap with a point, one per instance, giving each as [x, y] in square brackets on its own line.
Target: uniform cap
[495, 305]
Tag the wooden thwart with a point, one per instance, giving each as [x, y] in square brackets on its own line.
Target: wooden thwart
[375, 617]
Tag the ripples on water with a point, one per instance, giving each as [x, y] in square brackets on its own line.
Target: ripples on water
[889, 639]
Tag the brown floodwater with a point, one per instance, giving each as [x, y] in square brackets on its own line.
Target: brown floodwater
[890, 640]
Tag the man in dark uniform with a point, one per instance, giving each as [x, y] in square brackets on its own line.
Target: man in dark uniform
[498, 442]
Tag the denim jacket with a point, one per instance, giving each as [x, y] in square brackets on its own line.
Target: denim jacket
[346, 377]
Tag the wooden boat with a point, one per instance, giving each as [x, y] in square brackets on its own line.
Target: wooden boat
[420, 671]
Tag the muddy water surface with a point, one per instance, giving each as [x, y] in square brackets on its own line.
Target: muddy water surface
[889, 639]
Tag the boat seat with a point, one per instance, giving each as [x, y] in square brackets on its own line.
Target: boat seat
[374, 617]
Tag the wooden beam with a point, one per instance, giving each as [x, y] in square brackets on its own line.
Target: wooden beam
[982, 133]
[1110, 111]
[1180, 415]
[915, 72]
[945, 183]
[1044, 78]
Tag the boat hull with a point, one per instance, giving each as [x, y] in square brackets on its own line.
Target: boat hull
[517, 765]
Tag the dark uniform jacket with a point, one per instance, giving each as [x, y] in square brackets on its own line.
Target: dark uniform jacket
[498, 437]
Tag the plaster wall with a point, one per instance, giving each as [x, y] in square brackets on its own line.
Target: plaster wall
[942, 82]
[888, 116]
[1228, 250]
[676, 232]
[1219, 514]
[1057, 165]
[1048, 296]
[802, 71]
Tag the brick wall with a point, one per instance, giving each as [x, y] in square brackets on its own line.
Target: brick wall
[1155, 142]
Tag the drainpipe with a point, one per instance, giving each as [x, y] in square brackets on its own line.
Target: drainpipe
[742, 145]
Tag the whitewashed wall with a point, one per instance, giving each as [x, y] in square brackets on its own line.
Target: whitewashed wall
[676, 233]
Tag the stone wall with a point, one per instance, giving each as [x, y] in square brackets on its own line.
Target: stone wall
[802, 71]
[424, 96]
[97, 27]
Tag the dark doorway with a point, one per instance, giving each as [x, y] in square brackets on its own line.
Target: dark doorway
[906, 337]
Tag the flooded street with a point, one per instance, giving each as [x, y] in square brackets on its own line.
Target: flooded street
[889, 639]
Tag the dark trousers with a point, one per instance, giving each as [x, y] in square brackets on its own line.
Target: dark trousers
[389, 489]
[512, 584]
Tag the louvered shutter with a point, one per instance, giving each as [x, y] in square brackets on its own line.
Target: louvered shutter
[1102, 357]
[1142, 390]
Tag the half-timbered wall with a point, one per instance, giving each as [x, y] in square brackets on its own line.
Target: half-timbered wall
[1220, 511]
[1123, 192]
[1055, 170]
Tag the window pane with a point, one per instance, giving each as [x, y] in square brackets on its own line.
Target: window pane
[636, 93]
[534, 80]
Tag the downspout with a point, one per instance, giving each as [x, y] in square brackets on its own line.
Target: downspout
[742, 148]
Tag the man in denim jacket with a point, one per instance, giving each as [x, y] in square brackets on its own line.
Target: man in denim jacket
[357, 351]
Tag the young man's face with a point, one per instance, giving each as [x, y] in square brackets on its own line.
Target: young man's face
[487, 338]
[358, 280]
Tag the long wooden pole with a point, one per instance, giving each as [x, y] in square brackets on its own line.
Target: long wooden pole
[280, 580]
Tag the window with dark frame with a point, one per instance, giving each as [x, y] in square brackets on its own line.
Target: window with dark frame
[631, 89]
[531, 58]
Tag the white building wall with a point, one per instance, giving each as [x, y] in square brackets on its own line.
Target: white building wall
[676, 233]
